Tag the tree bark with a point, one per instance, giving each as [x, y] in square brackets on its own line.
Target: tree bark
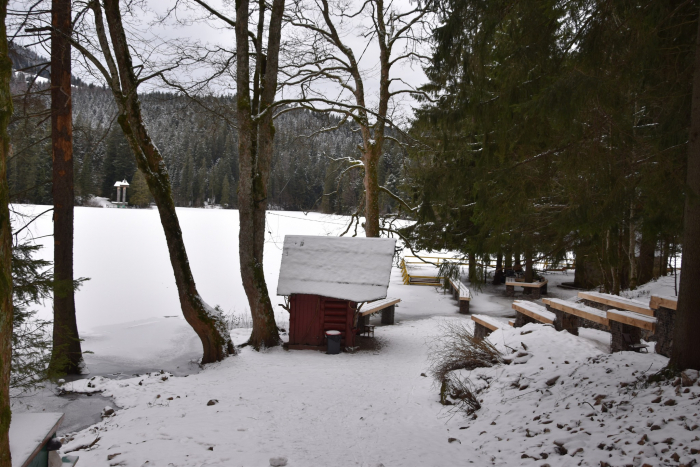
[5, 245]
[472, 268]
[646, 259]
[499, 269]
[206, 322]
[529, 271]
[633, 250]
[686, 345]
[66, 356]
[255, 139]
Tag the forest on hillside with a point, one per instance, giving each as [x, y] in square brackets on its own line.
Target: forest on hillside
[199, 144]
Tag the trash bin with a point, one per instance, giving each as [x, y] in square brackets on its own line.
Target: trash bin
[333, 338]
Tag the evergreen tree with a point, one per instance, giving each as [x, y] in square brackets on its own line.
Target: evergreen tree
[140, 194]
[226, 193]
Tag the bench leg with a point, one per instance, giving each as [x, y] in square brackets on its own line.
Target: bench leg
[388, 315]
[362, 321]
[510, 291]
[543, 289]
[481, 332]
[564, 321]
[536, 293]
[464, 307]
[522, 319]
[617, 341]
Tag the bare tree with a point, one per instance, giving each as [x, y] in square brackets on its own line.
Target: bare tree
[119, 75]
[5, 245]
[323, 55]
[67, 356]
[254, 122]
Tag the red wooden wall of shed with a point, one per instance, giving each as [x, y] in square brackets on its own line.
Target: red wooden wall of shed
[312, 315]
[305, 320]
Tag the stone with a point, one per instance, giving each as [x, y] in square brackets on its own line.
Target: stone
[278, 461]
[689, 377]
[453, 440]
[212, 402]
[112, 456]
[107, 411]
[552, 381]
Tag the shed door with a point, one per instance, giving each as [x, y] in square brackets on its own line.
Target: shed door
[305, 322]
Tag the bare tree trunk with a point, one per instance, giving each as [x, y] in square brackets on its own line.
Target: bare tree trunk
[509, 259]
[67, 356]
[5, 245]
[686, 345]
[206, 322]
[371, 183]
[663, 260]
[255, 138]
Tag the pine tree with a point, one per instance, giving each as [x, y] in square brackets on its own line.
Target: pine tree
[140, 194]
[226, 193]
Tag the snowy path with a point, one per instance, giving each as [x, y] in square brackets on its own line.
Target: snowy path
[315, 409]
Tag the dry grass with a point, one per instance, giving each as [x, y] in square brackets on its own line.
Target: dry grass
[456, 348]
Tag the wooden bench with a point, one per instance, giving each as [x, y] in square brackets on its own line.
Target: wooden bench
[606, 301]
[665, 314]
[33, 443]
[462, 294]
[626, 316]
[528, 312]
[485, 325]
[567, 314]
[538, 288]
[386, 305]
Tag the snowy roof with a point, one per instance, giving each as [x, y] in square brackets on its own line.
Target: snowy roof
[356, 269]
[122, 183]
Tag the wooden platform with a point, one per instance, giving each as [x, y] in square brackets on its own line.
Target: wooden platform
[658, 301]
[534, 311]
[578, 309]
[617, 302]
[632, 318]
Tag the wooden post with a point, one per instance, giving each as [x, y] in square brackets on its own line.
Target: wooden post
[388, 315]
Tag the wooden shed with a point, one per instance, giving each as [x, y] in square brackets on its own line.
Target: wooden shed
[325, 279]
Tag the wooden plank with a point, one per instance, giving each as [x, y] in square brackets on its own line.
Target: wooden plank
[633, 319]
[484, 322]
[617, 302]
[379, 305]
[527, 284]
[544, 316]
[658, 301]
[578, 309]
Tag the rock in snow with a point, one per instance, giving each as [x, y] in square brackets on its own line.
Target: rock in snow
[278, 461]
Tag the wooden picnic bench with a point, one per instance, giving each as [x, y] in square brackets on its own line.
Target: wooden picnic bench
[537, 288]
[386, 305]
[528, 312]
[462, 294]
[625, 326]
[485, 325]
[606, 301]
[33, 441]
